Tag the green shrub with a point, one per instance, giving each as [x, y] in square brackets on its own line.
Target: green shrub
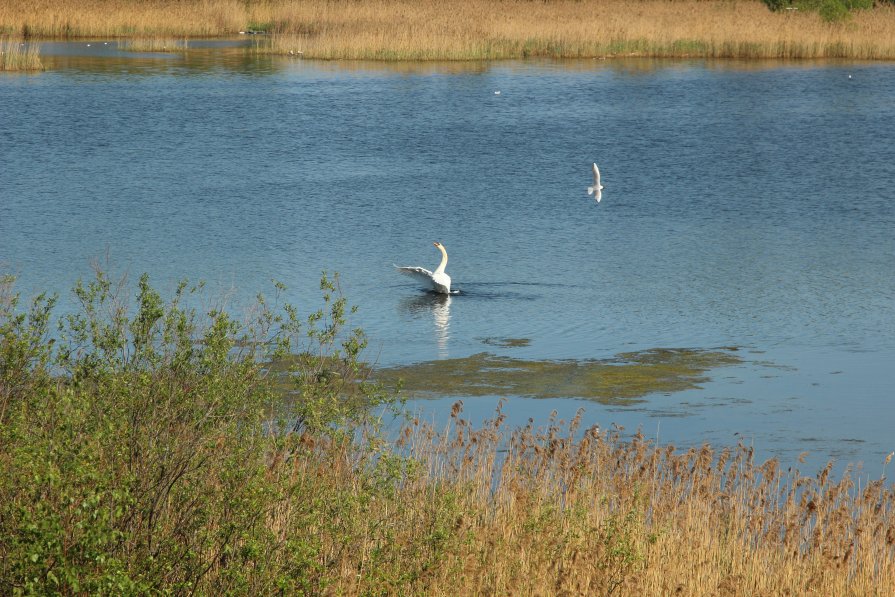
[829, 10]
[776, 5]
[832, 10]
[137, 445]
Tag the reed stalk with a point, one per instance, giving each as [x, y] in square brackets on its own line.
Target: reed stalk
[477, 29]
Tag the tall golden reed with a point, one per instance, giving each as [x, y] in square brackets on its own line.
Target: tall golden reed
[567, 29]
[477, 29]
[553, 511]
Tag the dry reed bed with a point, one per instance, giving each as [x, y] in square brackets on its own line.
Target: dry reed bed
[473, 30]
[478, 29]
[555, 511]
[122, 18]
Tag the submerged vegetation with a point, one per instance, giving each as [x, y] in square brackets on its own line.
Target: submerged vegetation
[506, 342]
[624, 379]
[144, 449]
[15, 55]
[482, 29]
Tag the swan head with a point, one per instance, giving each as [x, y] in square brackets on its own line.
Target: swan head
[438, 245]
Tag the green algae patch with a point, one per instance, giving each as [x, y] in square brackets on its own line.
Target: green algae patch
[624, 379]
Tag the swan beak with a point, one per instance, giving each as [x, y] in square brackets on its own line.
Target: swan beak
[436, 244]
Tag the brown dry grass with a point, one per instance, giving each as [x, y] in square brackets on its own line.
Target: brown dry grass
[121, 18]
[512, 29]
[477, 29]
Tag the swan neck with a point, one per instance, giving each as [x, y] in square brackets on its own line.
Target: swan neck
[443, 263]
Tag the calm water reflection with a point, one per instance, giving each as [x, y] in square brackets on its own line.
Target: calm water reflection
[437, 309]
[745, 205]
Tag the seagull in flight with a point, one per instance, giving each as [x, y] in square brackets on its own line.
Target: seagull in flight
[597, 188]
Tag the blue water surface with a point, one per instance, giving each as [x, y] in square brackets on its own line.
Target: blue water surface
[746, 205]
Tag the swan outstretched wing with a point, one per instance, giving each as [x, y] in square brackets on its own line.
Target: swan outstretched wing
[420, 273]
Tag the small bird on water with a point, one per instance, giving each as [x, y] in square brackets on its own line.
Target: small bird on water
[597, 188]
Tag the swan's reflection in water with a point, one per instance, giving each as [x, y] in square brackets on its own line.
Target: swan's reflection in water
[439, 305]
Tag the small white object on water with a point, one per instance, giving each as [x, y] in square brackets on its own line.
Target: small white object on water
[497, 92]
[849, 76]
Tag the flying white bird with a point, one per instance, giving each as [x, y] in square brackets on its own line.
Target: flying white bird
[438, 280]
[595, 190]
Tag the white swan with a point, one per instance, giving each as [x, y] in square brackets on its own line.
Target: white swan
[438, 280]
[595, 190]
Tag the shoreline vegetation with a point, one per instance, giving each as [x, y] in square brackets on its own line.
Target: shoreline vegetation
[15, 55]
[145, 448]
[485, 29]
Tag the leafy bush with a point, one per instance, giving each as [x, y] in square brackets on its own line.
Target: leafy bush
[832, 10]
[136, 445]
[829, 10]
[776, 5]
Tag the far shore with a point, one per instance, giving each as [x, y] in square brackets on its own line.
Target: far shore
[473, 29]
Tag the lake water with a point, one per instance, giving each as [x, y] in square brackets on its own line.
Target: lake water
[746, 205]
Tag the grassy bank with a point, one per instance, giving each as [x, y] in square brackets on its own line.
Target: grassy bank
[144, 448]
[478, 29]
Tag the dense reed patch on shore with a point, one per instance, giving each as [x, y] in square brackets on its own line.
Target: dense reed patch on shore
[16, 56]
[144, 449]
[477, 29]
